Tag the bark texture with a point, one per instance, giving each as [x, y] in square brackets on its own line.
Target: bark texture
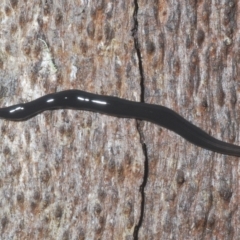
[78, 175]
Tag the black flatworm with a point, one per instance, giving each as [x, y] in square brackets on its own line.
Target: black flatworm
[80, 100]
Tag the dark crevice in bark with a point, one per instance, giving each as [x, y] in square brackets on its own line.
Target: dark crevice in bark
[141, 189]
[144, 147]
[137, 48]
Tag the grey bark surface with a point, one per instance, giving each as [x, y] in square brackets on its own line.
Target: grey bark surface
[68, 174]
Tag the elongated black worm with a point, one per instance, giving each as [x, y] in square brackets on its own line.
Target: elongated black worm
[80, 100]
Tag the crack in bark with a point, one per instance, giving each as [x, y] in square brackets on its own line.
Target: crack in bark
[144, 147]
[141, 189]
[137, 48]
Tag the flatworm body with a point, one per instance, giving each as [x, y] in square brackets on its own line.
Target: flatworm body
[80, 100]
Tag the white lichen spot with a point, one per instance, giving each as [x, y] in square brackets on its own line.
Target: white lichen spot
[109, 8]
[228, 41]
[73, 74]
[47, 61]
[101, 48]
[118, 61]
[102, 160]
[84, 2]
[136, 96]
[110, 49]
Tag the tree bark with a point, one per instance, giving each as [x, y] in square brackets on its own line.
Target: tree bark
[69, 174]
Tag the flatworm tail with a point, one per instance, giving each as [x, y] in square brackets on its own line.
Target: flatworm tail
[80, 100]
